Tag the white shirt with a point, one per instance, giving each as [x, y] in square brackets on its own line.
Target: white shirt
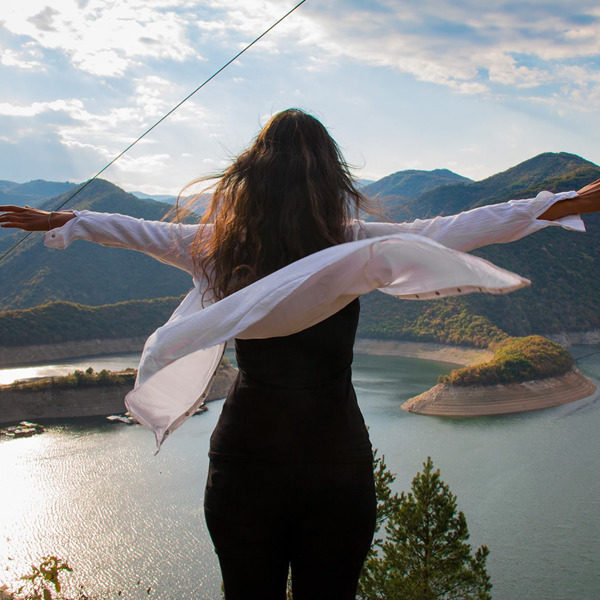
[420, 260]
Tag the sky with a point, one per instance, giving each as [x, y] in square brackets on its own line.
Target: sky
[474, 87]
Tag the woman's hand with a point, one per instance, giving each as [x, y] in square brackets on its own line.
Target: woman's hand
[591, 189]
[587, 201]
[32, 219]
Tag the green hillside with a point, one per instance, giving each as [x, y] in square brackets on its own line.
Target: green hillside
[87, 273]
[563, 266]
[515, 360]
[57, 322]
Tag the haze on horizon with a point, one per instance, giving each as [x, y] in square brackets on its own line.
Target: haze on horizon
[459, 85]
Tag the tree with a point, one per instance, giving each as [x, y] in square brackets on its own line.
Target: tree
[425, 554]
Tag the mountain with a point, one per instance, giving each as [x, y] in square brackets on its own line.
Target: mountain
[167, 198]
[33, 193]
[553, 171]
[412, 183]
[392, 194]
[87, 273]
[564, 266]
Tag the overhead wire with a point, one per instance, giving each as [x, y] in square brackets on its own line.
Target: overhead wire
[165, 116]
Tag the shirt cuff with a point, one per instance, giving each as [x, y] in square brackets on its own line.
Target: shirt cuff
[61, 237]
[544, 200]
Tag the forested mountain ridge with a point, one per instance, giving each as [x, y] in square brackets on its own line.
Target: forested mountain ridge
[564, 266]
[87, 273]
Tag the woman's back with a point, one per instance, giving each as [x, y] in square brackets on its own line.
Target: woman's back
[293, 399]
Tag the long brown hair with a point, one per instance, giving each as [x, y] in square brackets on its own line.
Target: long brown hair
[290, 194]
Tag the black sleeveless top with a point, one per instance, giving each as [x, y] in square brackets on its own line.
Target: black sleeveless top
[293, 399]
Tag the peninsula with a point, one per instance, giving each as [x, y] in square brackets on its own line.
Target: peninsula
[525, 374]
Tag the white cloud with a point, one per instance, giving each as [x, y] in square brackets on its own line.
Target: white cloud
[25, 59]
[473, 48]
[102, 71]
[73, 107]
[104, 37]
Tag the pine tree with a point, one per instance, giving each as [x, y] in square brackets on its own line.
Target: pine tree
[425, 554]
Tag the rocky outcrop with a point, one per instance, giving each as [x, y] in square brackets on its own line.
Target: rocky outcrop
[94, 401]
[479, 400]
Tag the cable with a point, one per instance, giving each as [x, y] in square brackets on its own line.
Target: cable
[116, 158]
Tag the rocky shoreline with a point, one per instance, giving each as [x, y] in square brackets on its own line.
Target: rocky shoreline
[478, 400]
[441, 400]
[459, 355]
[26, 355]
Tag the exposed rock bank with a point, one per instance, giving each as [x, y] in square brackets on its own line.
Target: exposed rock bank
[93, 401]
[476, 401]
[23, 355]
[458, 355]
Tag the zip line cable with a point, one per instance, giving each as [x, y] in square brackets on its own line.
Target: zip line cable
[170, 112]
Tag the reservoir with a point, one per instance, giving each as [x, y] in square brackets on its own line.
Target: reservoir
[127, 521]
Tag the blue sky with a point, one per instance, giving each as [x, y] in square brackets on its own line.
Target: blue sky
[471, 86]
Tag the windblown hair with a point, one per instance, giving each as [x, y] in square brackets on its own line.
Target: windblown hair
[289, 195]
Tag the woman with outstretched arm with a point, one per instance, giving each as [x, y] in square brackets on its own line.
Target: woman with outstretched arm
[278, 264]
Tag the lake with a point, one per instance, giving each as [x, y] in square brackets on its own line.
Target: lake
[94, 494]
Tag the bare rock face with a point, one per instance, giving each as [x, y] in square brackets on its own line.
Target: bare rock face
[480, 400]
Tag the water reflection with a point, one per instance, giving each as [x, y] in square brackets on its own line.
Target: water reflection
[110, 363]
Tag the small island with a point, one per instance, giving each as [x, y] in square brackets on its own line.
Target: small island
[525, 374]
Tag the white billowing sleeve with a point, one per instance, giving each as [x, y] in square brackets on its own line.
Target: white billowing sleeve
[414, 261]
[170, 243]
[179, 358]
[491, 224]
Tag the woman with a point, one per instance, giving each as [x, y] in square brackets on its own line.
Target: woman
[279, 264]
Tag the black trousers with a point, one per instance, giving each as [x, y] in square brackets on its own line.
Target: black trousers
[264, 518]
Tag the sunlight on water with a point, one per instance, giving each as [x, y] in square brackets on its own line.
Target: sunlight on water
[110, 363]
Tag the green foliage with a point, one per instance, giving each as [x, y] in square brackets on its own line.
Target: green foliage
[56, 322]
[78, 379]
[44, 581]
[87, 273]
[446, 321]
[425, 554]
[515, 360]
[564, 266]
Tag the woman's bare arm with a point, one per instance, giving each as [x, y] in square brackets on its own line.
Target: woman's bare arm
[587, 201]
[32, 219]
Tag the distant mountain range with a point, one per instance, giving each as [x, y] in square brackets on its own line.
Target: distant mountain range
[563, 266]
[32, 193]
[166, 198]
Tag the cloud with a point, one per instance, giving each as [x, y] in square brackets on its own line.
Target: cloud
[72, 107]
[23, 59]
[44, 20]
[103, 37]
[94, 74]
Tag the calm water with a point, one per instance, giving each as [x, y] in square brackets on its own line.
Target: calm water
[126, 520]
